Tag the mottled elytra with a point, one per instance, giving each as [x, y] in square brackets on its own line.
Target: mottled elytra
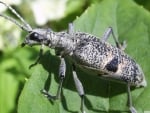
[86, 51]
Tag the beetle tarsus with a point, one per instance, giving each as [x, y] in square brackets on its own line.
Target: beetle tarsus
[49, 96]
[62, 70]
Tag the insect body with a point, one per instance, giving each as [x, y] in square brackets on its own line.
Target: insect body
[86, 51]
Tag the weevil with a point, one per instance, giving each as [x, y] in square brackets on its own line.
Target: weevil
[86, 51]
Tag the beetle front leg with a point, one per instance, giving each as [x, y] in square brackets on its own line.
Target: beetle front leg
[39, 57]
[62, 70]
[79, 88]
[131, 108]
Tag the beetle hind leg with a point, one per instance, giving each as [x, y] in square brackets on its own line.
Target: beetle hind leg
[131, 108]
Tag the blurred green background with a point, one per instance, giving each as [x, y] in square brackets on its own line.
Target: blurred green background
[14, 60]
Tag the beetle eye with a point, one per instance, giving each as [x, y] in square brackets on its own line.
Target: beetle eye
[34, 36]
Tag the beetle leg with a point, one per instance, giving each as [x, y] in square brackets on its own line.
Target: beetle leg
[62, 70]
[39, 57]
[79, 88]
[123, 45]
[70, 29]
[131, 108]
[107, 34]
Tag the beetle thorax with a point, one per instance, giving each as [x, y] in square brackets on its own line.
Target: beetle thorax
[61, 40]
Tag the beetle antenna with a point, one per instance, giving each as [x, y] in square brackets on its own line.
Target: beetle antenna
[25, 25]
[14, 21]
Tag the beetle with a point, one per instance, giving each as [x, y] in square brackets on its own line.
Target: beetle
[86, 51]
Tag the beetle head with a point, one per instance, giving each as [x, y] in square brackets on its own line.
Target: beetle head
[36, 37]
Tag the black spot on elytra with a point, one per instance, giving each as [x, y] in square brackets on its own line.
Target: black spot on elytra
[112, 65]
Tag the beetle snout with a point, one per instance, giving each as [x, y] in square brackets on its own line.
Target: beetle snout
[24, 43]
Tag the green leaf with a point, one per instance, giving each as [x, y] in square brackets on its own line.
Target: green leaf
[13, 70]
[131, 23]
